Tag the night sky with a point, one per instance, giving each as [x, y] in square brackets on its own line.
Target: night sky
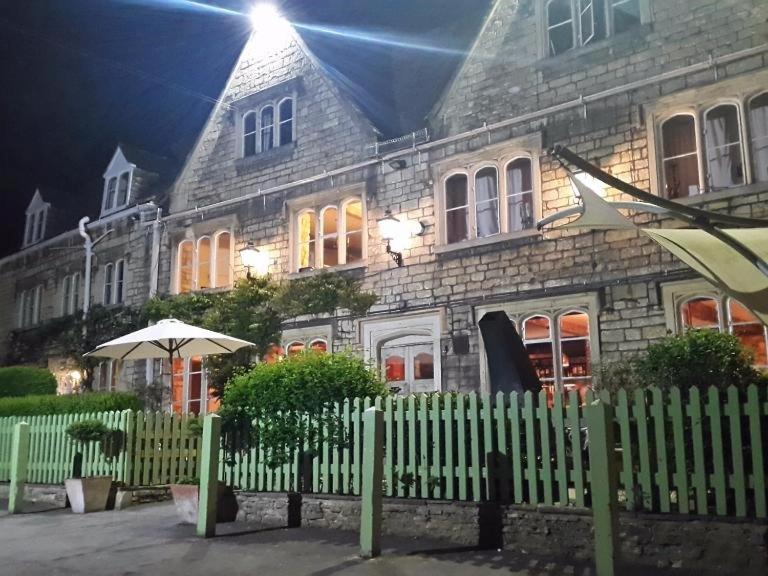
[78, 76]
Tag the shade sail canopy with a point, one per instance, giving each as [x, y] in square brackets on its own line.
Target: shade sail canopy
[168, 338]
[721, 264]
[596, 214]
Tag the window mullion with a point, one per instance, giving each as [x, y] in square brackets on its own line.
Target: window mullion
[341, 234]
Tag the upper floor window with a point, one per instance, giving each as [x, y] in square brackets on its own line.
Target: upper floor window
[707, 151]
[30, 302]
[270, 127]
[205, 263]
[34, 230]
[489, 200]
[70, 296]
[573, 23]
[114, 283]
[117, 192]
[329, 236]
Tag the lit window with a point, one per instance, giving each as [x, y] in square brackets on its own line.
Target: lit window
[520, 195]
[394, 366]
[457, 208]
[487, 202]
[285, 111]
[186, 266]
[409, 368]
[574, 352]
[109, 283]
[319, 345]
[725, 165]
[267, 128]
[337, 237]
[680, 156]
[294, 348]
[701, 313]
[749, 330]
[758, 124]
[223, 260]
[249, 134]
[537, 336]
[203, 263]
[190, 393]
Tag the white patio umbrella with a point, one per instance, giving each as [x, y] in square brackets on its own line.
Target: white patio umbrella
[168, 339]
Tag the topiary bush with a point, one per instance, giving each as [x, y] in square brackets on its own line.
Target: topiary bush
[278, 396]
[698, 358]
[69, 404]
[18, 381]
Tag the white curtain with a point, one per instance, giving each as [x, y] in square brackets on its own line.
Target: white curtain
[723, 148]
[520, 202]
[487, 203]
[758, 118]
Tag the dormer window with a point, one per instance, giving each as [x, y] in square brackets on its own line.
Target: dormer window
[117, 192]
[37, 212]
[270, 126]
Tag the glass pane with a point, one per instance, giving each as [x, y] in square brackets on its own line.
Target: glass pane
[354, 222]
[487, 202]
[250, 145]
[519, 195]
[574, 325]
[354, 247]
[752, 337]
[576, 358]
[394, 368]
[423, 366]
[536, 328]
[306, 234]
[587, 20]
[724, 147]
[330, 238]
[457, 224]
[286, 122]
[267, 129]
[122, 189]
[223, 260]
[177, 386]
[758, 125]
[701, 313]
[560, 26]
[354, 215]
[456, 192]
[249, 123]
[195, 387]
[319, 346]
[626, 15]
[111, 191]
[204, 263]
[185, 266]
[542, 359]
[681, 168]
[457, 215]
[294, 348]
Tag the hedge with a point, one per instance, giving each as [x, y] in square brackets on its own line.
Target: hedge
[68, 404]
[25, 381]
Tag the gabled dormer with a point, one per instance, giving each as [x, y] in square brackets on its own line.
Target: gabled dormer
[118, 179]
[37, 219]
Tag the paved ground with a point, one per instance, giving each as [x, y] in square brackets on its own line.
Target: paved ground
[147, 541]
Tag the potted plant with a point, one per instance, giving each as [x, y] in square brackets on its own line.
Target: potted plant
[186, 499]
[90, 494]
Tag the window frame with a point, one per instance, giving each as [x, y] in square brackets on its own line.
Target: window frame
[108, 284]
[276, 126]
[70, 298]
[280, 121]
[214, 263]
[751, 162]
[270, 127]
[118, 178]
[742, 143]
[35, 226]
[205, 389]
[30, 300]
[253, 134]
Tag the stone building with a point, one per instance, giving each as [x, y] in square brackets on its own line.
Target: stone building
[669, 96]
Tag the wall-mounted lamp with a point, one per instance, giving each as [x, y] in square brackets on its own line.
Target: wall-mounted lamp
[398, 164]
[395, 231]
[254, 259]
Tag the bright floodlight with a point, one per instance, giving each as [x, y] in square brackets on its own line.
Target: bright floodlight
[265, 16]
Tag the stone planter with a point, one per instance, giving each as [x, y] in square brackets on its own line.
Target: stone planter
[186, 498]
[88, 494]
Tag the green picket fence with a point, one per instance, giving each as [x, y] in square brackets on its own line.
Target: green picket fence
[695, 453]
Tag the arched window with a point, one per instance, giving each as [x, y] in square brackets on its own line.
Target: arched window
[267, 128]
[680, 156]
[700, 312]
[223, 260]
[307, 234]
[537, 336]
[250, 134]
[487, 202]
[203, 263]
[758, 125]
[520, 215]
[185, 266]
[319, 345]
[294, 348]
[285, 111]
[109, 199]
[109, 283]
[725, 163]
[330, 236]
[560, 32]
[122, 189]
[749, 330]
[353, 230]
[574, 351]
[456, 209]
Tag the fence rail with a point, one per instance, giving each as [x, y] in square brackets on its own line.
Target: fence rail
[693, 453]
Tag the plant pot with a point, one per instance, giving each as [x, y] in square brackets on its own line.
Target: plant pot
[88, 494]
[186, 498]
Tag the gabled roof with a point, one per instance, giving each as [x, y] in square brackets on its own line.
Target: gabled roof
[149, 161]
[37, 203]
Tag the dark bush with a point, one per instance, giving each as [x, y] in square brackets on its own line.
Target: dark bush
[68, 404]
[18, 381]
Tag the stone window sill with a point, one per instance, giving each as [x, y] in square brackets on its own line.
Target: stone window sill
[343, 268]
[724, 194]
[491, 240]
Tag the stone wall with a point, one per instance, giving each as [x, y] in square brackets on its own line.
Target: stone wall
[54, 494]
[724, 546]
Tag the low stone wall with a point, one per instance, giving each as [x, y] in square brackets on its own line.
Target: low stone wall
[53, 494]
[723, 546]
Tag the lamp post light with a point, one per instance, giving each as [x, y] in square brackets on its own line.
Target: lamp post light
[254, 259]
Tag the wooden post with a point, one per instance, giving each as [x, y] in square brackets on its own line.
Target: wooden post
[19, 462]
[604, 485]
[373, 469]
[209, 477]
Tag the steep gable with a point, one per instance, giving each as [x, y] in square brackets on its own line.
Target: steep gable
[329, 132]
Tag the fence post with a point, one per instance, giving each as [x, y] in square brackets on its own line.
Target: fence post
[372, 489]
[19, 462]
[209, 477]
[604, 486]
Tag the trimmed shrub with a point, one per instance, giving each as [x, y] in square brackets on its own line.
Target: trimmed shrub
[277, 396]
[68, 404]
[18, 381]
